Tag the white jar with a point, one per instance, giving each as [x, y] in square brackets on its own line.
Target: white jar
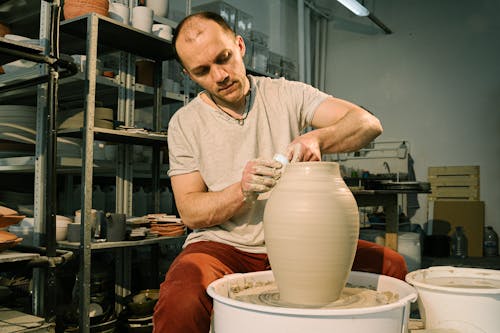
[159, 7]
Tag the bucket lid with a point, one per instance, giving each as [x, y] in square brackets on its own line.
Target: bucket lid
[456, 280]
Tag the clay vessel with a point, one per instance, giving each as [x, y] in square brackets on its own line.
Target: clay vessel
[311, 228]
[74, 8]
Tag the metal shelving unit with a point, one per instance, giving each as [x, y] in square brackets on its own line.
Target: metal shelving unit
[44, 81]
[95, 35]
[91, 35]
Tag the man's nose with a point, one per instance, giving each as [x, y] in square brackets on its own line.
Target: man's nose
[220, 75]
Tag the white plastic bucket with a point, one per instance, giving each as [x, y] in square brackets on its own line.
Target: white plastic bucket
[232, 316]
[464, 299]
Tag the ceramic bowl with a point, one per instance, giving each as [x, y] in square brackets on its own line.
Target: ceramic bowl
[8, 220]
[143, 302]
[7, 211]
[62, 227]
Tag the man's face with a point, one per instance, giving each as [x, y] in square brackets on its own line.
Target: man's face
[213, 58]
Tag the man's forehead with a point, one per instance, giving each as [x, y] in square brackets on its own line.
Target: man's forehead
[192, 29]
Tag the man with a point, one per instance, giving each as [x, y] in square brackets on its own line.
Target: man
[221, 147]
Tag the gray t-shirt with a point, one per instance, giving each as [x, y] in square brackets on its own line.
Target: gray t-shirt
[204, 139]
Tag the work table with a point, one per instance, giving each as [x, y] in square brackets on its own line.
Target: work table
[389, 200]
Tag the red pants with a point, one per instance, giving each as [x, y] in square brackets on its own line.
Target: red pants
[185, 307]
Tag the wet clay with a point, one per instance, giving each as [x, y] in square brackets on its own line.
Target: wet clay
[463, 282]
[351, 297]
[311, 228]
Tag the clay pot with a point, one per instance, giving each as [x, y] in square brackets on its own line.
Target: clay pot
[74, 8]
[311, 228]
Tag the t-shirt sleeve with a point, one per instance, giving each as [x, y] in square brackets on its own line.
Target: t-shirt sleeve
[307, 98]
[181, 148]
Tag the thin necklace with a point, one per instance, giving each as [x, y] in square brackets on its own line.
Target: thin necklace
[248, 99]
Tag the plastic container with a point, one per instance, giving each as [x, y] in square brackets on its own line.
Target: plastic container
[463, 299]
[244, 24]
[225, 10]
[490, 242]
[409, 247]
[236, 316]
[260, 55]
[459, 243]
[274, 64]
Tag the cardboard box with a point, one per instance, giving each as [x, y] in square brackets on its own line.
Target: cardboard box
[468, 214]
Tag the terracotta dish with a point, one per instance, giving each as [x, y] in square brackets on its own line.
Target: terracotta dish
[8, 240]
[74, 8]
[8, 220]
[6, 211]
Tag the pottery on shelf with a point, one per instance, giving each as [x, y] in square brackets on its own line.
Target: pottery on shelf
[74, 8]
[311, 228]
[159, 7]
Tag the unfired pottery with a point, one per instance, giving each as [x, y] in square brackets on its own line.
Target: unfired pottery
[311, 227]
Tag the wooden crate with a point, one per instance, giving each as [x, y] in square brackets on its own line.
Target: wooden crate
[454, 182]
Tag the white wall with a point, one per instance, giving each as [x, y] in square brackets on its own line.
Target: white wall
[435, 82]
[275, 18]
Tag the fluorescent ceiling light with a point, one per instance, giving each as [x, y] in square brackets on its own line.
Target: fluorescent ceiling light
[355, 7]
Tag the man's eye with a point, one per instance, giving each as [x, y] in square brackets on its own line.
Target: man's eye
[201, 72]
[225, 58]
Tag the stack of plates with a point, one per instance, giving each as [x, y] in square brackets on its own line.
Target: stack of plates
[71, 119]
[18, 124]
[139, 324]
[166, 225]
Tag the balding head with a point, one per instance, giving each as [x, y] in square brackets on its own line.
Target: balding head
[194, 25]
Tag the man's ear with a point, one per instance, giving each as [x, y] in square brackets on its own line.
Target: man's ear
[186, 72]
[241, 45]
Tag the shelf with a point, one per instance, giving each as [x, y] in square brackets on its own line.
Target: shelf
[260, 73]
[7, 44]
[110, 245]
[70, 91]
[164, 20]
[119, 136]
[115, 36]
[9, 256]
[68, 165]
[15, 321]
[143, 93]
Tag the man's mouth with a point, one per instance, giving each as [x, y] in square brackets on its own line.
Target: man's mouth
[226, 88]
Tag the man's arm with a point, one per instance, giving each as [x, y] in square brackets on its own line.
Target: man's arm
[199, 208]
[341, 126]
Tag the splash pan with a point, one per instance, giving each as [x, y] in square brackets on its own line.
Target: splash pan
[263, 312]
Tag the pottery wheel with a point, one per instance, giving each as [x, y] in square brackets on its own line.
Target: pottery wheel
[267, 293]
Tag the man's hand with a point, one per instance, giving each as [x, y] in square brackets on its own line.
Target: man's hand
[304, 148]
[259, 176]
